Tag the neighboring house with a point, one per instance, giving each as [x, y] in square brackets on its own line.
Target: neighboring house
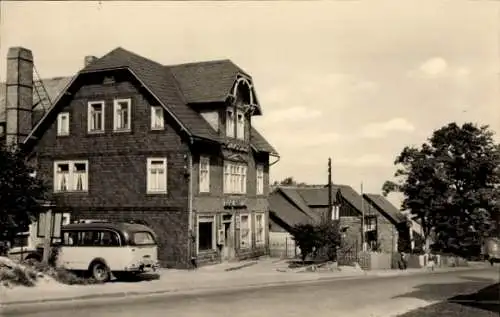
[289, 206]
[393, 230]
[127, 138]
[292, 205]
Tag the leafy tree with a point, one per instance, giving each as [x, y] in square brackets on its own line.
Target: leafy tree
[306, 238]
[315, 238]
[20, 194]
[388, 187]
[290, 181]
[451, 184]
[330, 237]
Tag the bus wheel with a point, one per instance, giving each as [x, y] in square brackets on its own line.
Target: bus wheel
[100, 272]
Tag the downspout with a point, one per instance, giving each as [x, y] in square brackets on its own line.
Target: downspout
[192, 256]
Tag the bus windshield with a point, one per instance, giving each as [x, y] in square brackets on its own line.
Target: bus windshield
[143, 238]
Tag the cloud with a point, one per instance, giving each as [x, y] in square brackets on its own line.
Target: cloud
[317, 91]
[434, 66]
[302, 139]
[438, 67]
[376, 130]
[292, 114]
[367, 160]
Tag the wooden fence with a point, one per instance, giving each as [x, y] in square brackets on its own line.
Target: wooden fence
[282, 245]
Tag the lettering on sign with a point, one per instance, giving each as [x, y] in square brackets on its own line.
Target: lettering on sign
[234, 203]
[236, 147]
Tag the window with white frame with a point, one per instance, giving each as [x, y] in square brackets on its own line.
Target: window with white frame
[230, 123]
[260, 179]
[259, 228]
[335, 212]
[240, 125]
[122, 114]
[235, 178]
[204, 174]
[206, 233]
[157, 121]
[71, 176]
[245, 231]
[63, 123]
[157, 175]
[96, 116]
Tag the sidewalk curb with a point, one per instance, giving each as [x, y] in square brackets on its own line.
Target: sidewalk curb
[239, 267]
[209, 289]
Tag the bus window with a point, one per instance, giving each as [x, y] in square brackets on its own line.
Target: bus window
[110, 238]
[142, 238]
[88, 238]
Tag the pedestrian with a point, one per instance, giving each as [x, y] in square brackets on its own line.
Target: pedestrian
[432, 262]
[402, 261]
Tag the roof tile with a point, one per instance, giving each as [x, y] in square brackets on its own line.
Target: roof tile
[161, 83]
[174, 85]
[386, 207]
[260, 143]
[209, 81]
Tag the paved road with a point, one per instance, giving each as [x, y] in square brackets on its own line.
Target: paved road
[389, 296]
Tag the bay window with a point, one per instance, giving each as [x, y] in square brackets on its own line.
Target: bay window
[235, 178]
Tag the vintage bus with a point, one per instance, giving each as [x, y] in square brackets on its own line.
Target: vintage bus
[104, 248]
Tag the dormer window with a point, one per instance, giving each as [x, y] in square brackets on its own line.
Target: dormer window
[230, 123]
[240, 125]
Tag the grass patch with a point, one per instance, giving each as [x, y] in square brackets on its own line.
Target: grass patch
[28, 273]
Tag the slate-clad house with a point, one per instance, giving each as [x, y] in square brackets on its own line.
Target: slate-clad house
[384, 224]
[392, 224]
[174, 146]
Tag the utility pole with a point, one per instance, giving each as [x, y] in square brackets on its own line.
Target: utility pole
[329, 189]
[47, 236]
[362, 219]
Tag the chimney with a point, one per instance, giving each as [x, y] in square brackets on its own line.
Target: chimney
[89, 59]
[19, 95]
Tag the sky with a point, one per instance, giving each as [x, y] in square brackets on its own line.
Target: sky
[356, 81]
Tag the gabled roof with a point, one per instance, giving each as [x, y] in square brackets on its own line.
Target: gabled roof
[317, 196]
[301, 199]
[209, 81]
[356, 200]
[288, 213]
[161, 83]
[298, 201]
[260, 144]
[386, 208]
[210, 78]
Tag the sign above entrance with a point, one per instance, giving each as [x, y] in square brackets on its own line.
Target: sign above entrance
[237, 147]
[234, 203]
